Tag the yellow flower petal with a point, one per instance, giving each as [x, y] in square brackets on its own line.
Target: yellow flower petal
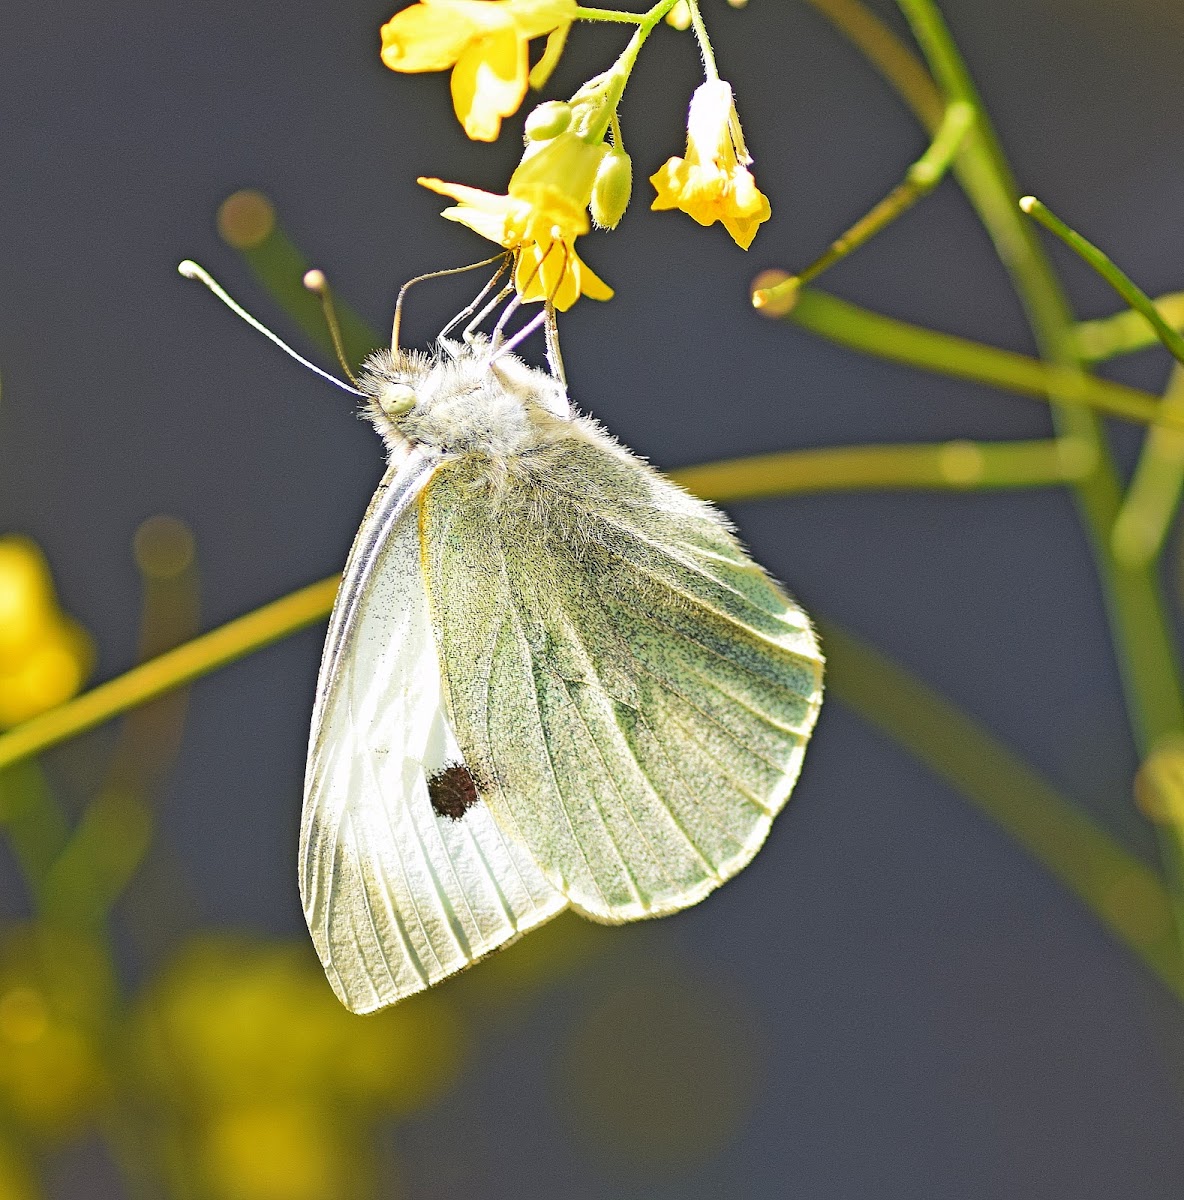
[591, 285]
[489, 82]
[487, 44]
[537, 17]
[425, 37]
[489, 201]
[713, 183]
[488, 225]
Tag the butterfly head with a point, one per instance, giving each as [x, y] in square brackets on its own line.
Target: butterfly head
[462, 400]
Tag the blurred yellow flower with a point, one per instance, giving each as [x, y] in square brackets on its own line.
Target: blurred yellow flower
[54, 996]
[280, 1151]
[44, 655]
[485, 42]
[234, 1023]
[713, 183]
[540, 230]
[16, 1176]
[271, 1088]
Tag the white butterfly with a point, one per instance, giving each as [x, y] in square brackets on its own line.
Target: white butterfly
[552, 678]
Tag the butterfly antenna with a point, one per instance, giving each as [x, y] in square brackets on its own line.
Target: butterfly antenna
[316, 282]
[191, 270]
[423, 278]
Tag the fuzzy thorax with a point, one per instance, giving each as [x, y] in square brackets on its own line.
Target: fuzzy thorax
[462, 405]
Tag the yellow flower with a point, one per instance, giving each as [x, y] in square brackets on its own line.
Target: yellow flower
[486, 44]
[55, 997]
[540, 228]
[713, 183]
[44, 656]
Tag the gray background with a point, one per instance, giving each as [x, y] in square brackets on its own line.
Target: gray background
[934, 1015]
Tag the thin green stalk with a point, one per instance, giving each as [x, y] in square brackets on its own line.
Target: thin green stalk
[920, 179]
[1155, 488]
[33, 821]
[170, 670]
[1121, 891]
[709, 67]
[1109, 271]
[899, 66]
[1145, 646]
[609, 14]
[1127, 331]
[1143, 641]
[280, 268]
[898, 341]
[644, 28]
[954, 466]
[1146, 650]
[949, 465]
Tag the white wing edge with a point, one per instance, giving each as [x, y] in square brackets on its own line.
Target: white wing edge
[396, 896]
[407, 472]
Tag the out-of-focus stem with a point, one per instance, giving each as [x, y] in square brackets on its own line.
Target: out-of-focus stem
[170, 670]
[1154, 492]
[1127, 331]
[920, 179]
[1145, 647]
[1121, 891]
[954, 466]
[1110, 272]
[889, 55]
[898, 341]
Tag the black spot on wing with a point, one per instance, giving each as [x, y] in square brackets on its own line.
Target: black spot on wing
[452, 791]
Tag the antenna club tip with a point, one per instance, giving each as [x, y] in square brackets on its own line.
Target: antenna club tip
[315, 280]
[1028, 203]
[189, 269]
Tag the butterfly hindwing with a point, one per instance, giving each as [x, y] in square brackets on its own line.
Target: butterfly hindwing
[634, 692]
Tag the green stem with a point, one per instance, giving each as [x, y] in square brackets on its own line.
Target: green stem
[645, 27]
[279, 266]
[170, 670]
[953, 466]
[899, 66]
[1155, 488]
[1145, 646]
[1144, 643]
[709, 67]
[1121, 891]
[915, 346]
[36, 826]
[959, 465]
[1127, 331]
[920, 179]
[610, 14]
[1109, 271]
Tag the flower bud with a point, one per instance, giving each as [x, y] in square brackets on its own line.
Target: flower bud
[611, 188]
[548, 120]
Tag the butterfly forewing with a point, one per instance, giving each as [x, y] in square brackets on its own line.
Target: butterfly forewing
[633, 691]
[398, 893]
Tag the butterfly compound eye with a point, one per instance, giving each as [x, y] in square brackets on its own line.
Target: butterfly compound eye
[396, 399]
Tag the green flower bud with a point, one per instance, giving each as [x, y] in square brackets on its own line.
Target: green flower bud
[611, 188]
[548, 121]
